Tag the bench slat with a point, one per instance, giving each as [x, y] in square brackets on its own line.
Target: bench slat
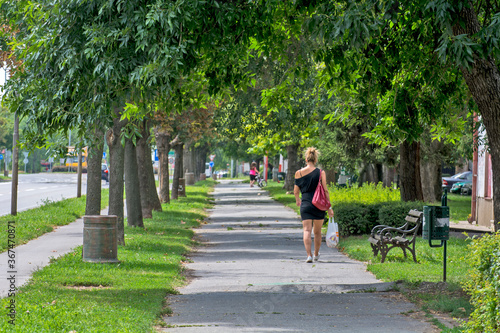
[400, 240]
[412, 219]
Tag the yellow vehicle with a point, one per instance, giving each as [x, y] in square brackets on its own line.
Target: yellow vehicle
[72, 157]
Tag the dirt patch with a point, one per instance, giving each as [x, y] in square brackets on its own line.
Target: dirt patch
[433, 290]
[87, 287]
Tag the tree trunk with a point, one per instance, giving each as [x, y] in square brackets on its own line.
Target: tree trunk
[409, 170]
[389, 174]
[94, 159]
[79, 175]
[188, 158]
[147, 184]
[163, 146]
[177, 145]
[276, 164]
[132, 188]
[431, 171]
[34, 161]
[362, 175]
[200, 157]
[483, 80]
[292, 166]
[116, 171]
[330, 176]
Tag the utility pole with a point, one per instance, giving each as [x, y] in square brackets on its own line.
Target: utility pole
[15, 167]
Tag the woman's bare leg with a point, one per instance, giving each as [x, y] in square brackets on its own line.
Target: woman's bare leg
[317, 224]
[307, 225]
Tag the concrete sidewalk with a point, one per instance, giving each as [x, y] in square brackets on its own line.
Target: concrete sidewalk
[251, 276]
[38, 253]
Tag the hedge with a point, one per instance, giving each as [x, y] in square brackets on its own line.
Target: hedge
[483, 284]
[359, 219]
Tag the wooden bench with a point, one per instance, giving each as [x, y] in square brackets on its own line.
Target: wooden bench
[384, 238]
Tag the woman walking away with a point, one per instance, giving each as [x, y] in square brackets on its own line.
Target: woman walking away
[306, 181]
[253, 173]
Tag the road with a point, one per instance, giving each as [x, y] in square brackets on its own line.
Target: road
[34, 189]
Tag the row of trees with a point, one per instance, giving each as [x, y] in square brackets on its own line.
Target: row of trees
[390, 75]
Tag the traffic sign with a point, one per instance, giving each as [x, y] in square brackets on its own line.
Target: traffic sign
[212, 157]
[25, 153]
[156, 155]
[104, 154]
[1, 156]
[211, 164]
[25, 161]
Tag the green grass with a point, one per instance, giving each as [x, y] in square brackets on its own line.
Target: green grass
[35, 222]
[70, 295]
[5, 179]
[397, 267]
[460, 207]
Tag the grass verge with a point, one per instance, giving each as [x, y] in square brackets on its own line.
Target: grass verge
[35, 222]
[460, 207]
[73, 296]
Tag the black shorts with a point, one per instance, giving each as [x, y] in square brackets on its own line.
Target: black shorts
[309, 212]
[252, 177]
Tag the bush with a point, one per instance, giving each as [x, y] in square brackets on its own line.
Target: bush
[394, 213]
[367, 194]
[352, 218]
[483, 284]
[358, 218]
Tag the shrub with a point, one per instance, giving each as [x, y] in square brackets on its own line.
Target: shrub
[352, 218]
[358, 218]
[483, 284]
[367, 194]
[394, 213]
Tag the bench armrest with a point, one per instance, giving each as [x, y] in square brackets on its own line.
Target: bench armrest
[399, 230]
[378, 228]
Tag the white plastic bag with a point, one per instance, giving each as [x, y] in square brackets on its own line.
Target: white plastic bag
[332, 234]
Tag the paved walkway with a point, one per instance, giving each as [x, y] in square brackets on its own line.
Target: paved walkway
[251, 276]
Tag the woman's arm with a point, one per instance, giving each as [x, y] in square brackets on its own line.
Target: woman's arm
[323, 182]
[296, 192]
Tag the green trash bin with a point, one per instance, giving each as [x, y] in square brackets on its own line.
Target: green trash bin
[436, 224]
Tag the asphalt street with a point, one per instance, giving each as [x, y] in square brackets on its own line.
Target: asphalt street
[35, 189]
[250, 275]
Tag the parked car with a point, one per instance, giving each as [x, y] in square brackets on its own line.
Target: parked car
[466, 189]
[458, 178]
[104, 172]
[457, 187]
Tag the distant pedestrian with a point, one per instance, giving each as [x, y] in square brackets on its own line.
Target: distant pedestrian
[306, 181]
[253, 173]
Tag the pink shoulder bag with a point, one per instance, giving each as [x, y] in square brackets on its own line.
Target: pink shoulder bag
[320, 200]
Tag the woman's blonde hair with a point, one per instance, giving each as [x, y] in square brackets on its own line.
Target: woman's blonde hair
[311, 155]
